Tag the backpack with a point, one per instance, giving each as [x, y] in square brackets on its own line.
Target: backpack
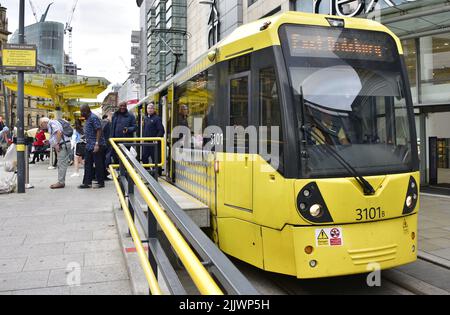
[67, 128]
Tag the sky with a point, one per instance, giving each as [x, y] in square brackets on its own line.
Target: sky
[101, 33]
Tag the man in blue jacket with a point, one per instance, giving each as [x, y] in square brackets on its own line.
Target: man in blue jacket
[123, 125]
[153, 128]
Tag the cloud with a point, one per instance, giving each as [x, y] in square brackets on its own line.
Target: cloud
[101, 32]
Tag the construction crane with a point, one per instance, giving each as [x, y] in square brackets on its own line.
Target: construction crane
[68, 28]
[33, 8]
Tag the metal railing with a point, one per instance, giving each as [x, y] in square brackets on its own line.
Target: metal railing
[210, 270]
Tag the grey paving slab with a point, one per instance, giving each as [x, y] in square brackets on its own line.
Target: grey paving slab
[57, 228]
[12, 240]
[44, 291]
[12, 265]
[9, 213]
[434, 233]
[90, 275]
[43, 232]
[25, 222]
[103, 258]
[428, 246]
[106, 234]
[24, 280]
[69, 236]
[53, 262]
[434, 226]
[444, 253]
[109, 288]
[79, 218]
[92, 246]
[39, 250]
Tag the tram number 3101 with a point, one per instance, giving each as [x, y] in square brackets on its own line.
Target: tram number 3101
[370, 214]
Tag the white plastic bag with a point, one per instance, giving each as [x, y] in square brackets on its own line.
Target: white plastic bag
[8, 184]
[11, 159]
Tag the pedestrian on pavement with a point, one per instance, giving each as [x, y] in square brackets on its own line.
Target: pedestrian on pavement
[153, 128]
[4, 140]
[39, 147]
[2, 123]
[123, 125]
[78, 146]
[106, 127]
[95, 147]
[61, 144]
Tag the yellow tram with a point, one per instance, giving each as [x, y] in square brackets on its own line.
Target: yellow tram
[341, 196]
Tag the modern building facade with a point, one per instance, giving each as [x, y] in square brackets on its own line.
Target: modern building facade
[164, 23]
[49, 39]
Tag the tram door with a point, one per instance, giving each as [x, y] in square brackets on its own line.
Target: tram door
[239, 168]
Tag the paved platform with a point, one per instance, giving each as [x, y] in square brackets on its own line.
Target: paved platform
[434, 227]
[51, 239]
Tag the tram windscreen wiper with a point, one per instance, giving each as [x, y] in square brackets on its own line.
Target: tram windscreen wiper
[365, 185]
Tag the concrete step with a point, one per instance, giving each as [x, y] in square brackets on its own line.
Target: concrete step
[197, 211]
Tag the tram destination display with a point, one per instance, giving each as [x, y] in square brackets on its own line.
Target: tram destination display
[340, 43]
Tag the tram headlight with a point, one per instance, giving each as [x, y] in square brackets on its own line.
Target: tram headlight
[316, 211]
[311, 205]
[412, 197]
[409, 201]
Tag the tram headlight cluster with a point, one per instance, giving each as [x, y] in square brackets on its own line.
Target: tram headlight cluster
[412, 197]
[312, 206]
[316, 211]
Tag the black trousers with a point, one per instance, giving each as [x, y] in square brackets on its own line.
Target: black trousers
[38, 154]
[149, 152]
[91, 158]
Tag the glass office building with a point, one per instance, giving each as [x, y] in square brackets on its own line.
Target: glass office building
[49, 39]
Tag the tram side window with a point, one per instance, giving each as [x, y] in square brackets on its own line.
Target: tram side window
[194, 102]
[239, 95]
[269, 101]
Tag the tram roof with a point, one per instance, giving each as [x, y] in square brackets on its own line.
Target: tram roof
[252, 37]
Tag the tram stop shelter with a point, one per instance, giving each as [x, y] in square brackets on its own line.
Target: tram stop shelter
[60, 88]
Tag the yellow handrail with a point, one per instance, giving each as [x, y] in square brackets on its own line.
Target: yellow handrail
[149, 274]
[198, 273]
[163, 147]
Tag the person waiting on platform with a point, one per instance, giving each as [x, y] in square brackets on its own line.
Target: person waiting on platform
[153, 128]
[123, 125]
[95, 148]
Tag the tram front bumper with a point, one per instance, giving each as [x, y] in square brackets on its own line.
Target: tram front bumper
[355, 248]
